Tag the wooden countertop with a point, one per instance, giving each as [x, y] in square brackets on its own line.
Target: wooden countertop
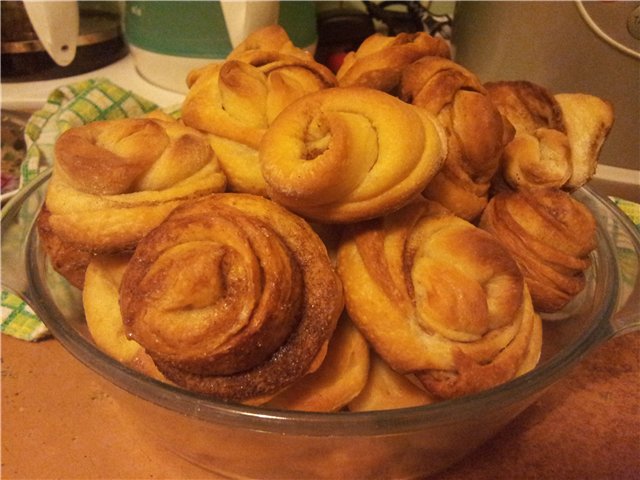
[58, 422]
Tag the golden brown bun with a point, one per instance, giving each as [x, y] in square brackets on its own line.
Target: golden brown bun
[339, 378]
[234, 102]
[102, 313]
[272, 37]
[346, 154]
[232, 296]
[115, 180]
[526, 105]
[440, 298]
[65, 257]
[476, 132]
[550, 234]
[588, 120]
[379, 60]
[539, 156]
[387, 389]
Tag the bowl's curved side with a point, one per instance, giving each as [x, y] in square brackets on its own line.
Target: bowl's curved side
[624, 239]
[246, 441]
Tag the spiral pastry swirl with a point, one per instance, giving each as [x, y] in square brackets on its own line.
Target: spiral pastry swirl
[115, 180]
[380, 59]
[439, 298]
[236, 101]
[588, 120]
[347, 154]
[476, 131]
[539, 155]
[550, 234]
[232, 296]
[272, 38]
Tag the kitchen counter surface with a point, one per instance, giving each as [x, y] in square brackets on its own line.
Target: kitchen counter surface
[59, 422]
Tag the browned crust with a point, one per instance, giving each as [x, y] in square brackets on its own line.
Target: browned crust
[439, 298]
[379, 61]
[316, 317]
[550, 234]
[68, 259]
[528, 106]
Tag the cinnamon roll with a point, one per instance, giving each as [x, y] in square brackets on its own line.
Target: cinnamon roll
[588, 120]
[115, 180]
[476, 131]
[347, 154]
[100, 301]
[380, 59]
[550, 234]
[337, 381]
[439, 298]
[271, 37]
[236, 101]
[232, 296]
[539, 156]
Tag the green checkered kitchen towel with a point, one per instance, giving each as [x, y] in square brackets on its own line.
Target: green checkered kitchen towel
[68, 106]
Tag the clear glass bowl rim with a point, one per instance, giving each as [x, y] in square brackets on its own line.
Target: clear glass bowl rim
[524, 388]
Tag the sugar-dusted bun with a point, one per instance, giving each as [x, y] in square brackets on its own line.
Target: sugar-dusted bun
[539, 156]
[379, 60]
[236, 101]
[588, 120]
[115, 180]
[347, 154]
[232, 296]
[476, 131]
[337, 381]
[439, 298]
[550, 234]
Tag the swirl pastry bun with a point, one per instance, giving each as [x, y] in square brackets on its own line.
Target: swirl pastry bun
[539, 155]
[550, 234]
[476, 131]
[440, 298]
[66, 258]
[337, 381]
[272, 38]
[588, 120]
[100, 299]
[232, 296]
[347, 154]
[115, 180]
[236, 101]
[379, 60]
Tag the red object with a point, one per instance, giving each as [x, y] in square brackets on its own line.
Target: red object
[334, 60]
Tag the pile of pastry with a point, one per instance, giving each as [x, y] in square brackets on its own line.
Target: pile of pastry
[383, 237]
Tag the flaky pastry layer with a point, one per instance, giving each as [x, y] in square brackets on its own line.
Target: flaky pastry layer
[115, 180]
[439, 298]
[380, 60]
[232, 296]
[347, 154]
[476, 131]
[550, 234]
[235, 102]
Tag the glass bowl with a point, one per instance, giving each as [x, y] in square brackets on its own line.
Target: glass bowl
[255, 442]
